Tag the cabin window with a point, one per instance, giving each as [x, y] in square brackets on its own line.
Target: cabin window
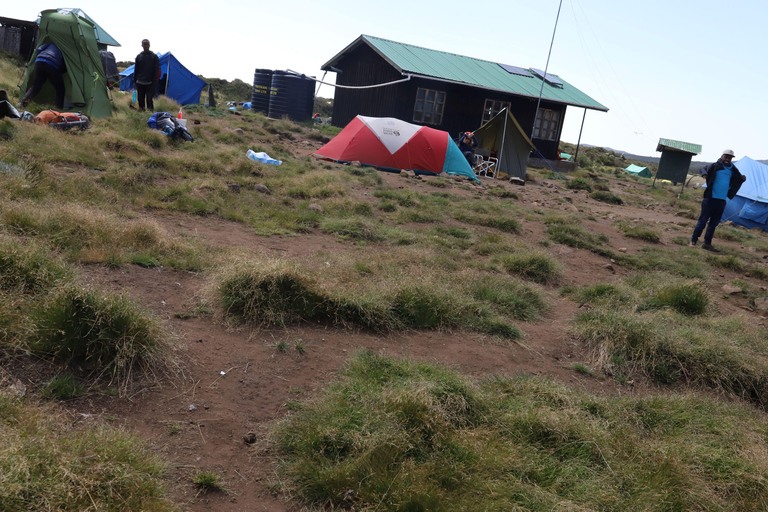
[429, 106]
[547, 125]
[493, 107]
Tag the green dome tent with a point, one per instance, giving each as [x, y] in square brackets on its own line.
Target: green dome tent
[84, 81]
[636, 170]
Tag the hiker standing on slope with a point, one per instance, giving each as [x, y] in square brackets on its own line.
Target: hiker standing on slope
[49, 65]
[723, 181]
[146, 71]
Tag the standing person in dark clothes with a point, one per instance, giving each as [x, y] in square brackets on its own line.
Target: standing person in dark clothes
[146, 71]
[723, 181]
[49, 65]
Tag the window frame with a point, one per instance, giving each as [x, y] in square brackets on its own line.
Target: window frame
[547, 124]
[490, 110]
[432, 110]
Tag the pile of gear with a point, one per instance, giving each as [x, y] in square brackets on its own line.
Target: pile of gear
[60, 120]
[169, 125]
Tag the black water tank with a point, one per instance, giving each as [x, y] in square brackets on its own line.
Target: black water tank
[291, 95]
[262, 80]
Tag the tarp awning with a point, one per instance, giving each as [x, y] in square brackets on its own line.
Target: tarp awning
[503, 136]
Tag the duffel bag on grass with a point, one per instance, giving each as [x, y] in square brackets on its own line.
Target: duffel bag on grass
[62, 120]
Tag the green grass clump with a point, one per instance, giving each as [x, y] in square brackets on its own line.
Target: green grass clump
[728, 354]
[273, 293]
[208, 482]
[277, 293]
[509, 296]
[63, 387]
[575, 236]
[403, 435]
[85, 467]
[29, 267]
[108, 334]
[579, 184]
[606, 197]
[538, 267]
[685, 298]
[640, 233]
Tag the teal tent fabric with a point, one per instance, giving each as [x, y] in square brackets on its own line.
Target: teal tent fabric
[636, 170]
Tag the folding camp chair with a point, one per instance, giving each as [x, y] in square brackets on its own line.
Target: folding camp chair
[485, 164]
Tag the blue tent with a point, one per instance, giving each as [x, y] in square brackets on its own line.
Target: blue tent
[750, 206]
[179, 83]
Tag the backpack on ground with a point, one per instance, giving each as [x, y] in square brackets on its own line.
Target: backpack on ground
[62, 120]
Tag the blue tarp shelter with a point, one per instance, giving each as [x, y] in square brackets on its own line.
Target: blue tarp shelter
[750, 206]
[177, 82]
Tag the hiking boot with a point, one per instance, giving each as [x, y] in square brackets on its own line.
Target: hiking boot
[708, 247]
[691, 244]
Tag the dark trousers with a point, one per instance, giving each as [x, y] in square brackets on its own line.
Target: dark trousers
[42, 72]
[470, 156]
[712, 212]
[145, 92]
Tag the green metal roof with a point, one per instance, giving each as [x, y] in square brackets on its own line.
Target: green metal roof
[679, 146]
[418, 61]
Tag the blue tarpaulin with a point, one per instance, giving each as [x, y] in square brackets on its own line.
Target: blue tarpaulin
[750, 206]
[182, 85]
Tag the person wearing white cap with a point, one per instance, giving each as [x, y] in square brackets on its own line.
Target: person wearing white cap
[723, 181]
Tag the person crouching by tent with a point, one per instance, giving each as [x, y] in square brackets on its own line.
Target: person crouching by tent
[146, 71]
[467, 144]
[723, 181]
[49, 65]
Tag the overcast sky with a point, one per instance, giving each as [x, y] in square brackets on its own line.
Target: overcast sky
[689, 70]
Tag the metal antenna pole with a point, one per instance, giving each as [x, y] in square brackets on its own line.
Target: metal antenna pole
[546, 68]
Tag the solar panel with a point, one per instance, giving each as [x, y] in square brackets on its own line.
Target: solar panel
[514, 70]
[547, 77]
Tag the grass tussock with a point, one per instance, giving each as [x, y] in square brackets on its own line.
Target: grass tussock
[49, 465]
[398, 435]
[108, 335]
[90, 235]
[382, 295]
[535, 266]
[659, 328]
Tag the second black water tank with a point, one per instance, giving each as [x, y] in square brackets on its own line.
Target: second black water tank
[291, 95]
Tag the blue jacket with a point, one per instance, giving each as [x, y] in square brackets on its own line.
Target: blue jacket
[709, 171]
[463, 146]
[50, 54]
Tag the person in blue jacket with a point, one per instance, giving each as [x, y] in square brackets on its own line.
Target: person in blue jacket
[723, 181]
[49, 65]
